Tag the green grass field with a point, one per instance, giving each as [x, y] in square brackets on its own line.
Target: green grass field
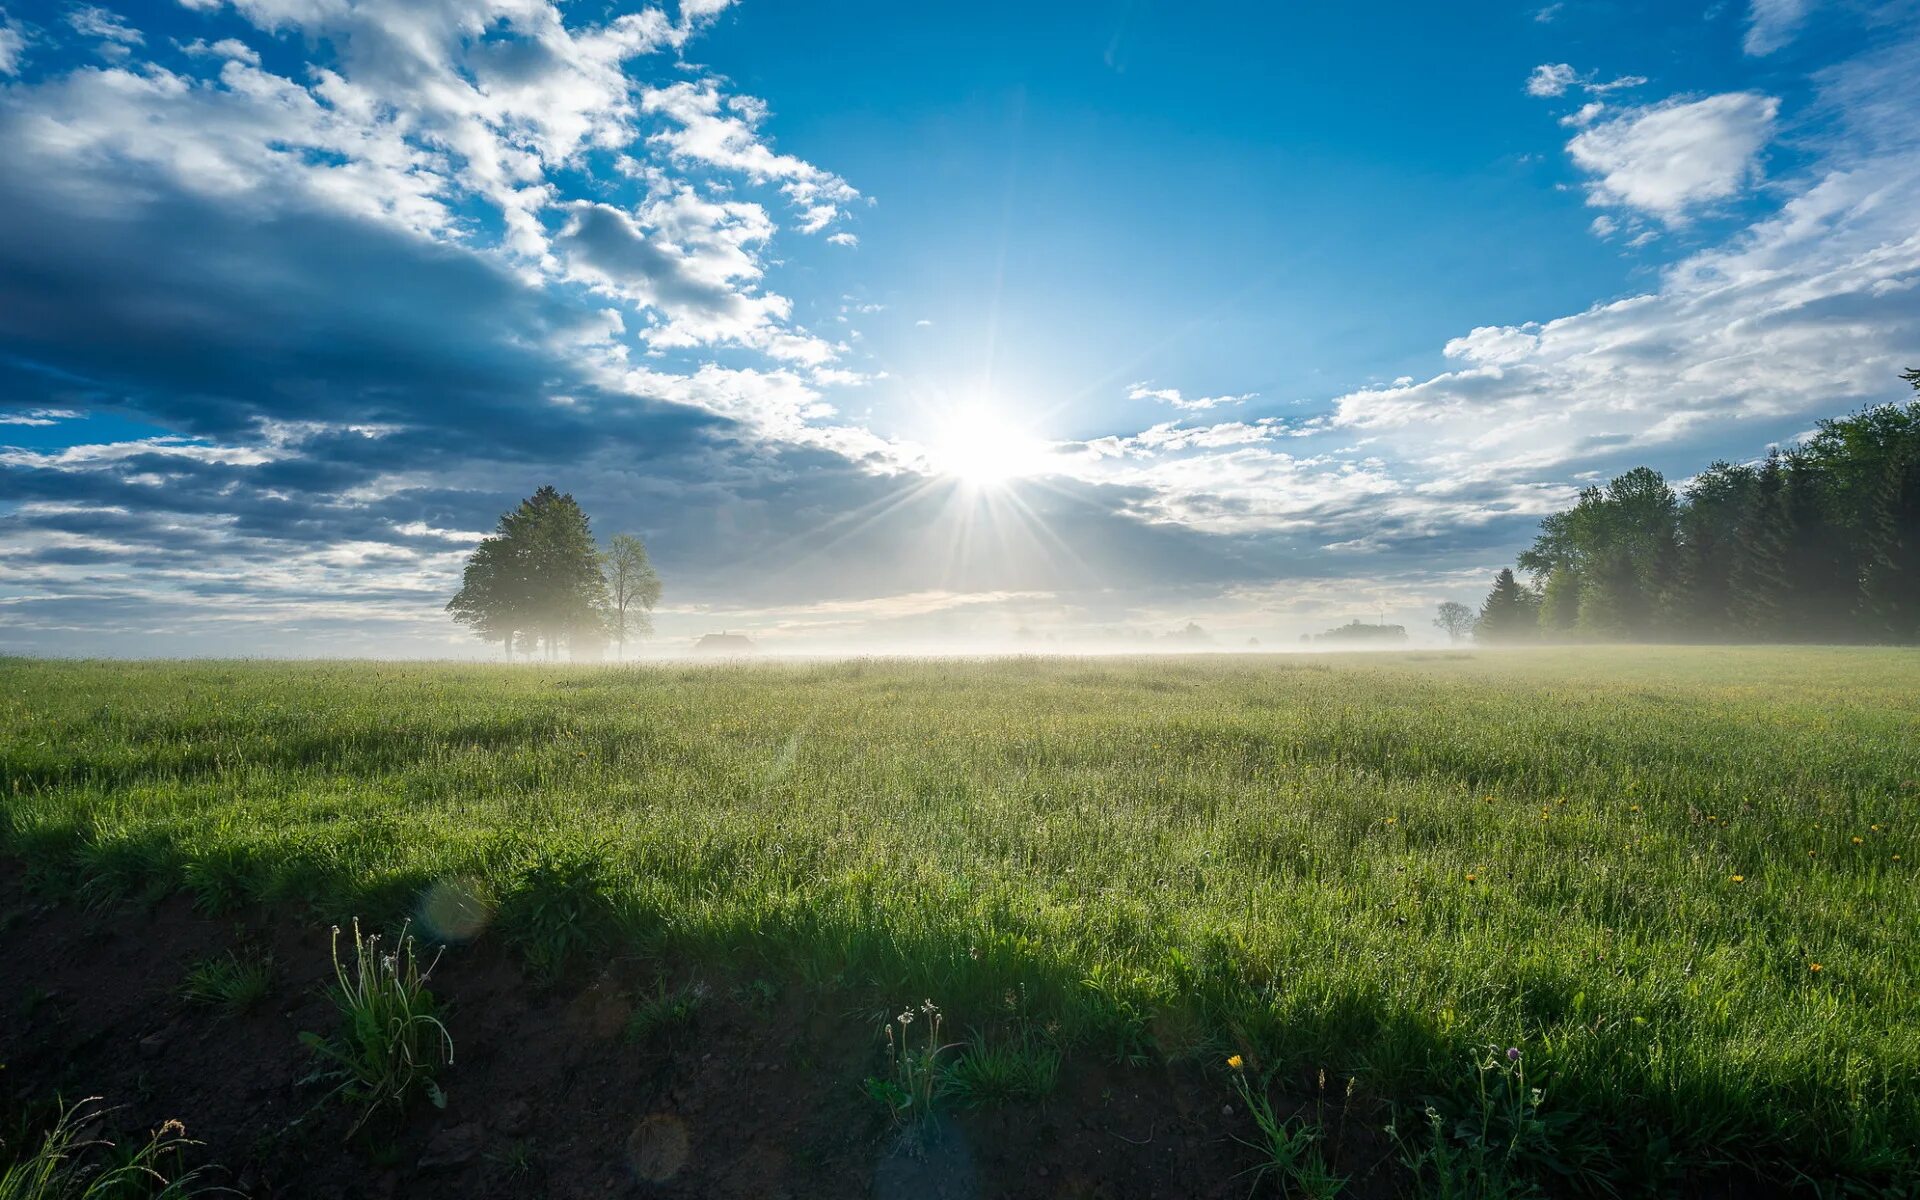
[1683, 880]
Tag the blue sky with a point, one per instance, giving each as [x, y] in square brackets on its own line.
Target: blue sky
[908, 326]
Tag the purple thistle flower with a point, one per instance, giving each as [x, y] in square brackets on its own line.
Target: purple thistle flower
[1513, 1054]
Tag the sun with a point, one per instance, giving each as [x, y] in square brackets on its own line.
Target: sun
[982, 447]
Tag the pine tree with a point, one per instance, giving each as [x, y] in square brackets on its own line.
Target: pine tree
[1886, 597]
[1758, 582]
[1508, 615]
[1700, 602]
[1821, 597]
[1821, 542]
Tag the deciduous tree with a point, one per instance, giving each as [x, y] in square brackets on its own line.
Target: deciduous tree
[633, 588]
[536, 579]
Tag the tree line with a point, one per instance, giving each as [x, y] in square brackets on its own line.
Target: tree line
[1818, 543]
[541, 583]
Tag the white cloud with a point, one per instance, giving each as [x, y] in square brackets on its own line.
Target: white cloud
[224, 48]
[13, 46]
[1771, 24]
[692, 11]
[1585, 115]
[1808, 313]
[1555, 79]
[693, 260]
[722, 131]
[1494, 344]
[38, 416]
[428, 108]
[1550, 79]
[843, 238]
[1172, 396]
[1668, 159]
[92, 21]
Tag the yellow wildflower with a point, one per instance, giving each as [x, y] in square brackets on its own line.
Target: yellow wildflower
[1235, 1062]
[1739, 878]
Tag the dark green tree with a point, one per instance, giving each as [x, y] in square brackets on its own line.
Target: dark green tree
[1560, 603]
[536, 579]
[1820, 542]
[1699, 605]
[1758, 580]
[1870, 465]
[1820, 599]
[1509, 612]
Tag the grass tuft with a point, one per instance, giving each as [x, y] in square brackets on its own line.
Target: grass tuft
[70, 1163]
[1023, 1069]
[392, 1042]
[228, 982]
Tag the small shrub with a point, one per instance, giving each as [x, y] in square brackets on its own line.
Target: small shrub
[392, 1043]
[558, 908]
[221, 880]
[1290, 1149]
[518, 1160]
[1506, 1142]
[660, 1016]
[986, 1073]
[1116, 1011]
[757, 994]
[69, 1165]
[228, 982]
[912, 1083]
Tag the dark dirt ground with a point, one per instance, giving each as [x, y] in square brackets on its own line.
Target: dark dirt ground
[548, 1097]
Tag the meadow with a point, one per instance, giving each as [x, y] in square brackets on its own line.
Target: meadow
[1679, 881]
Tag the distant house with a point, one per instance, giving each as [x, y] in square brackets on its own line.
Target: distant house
[1356, 632]
[724, 643]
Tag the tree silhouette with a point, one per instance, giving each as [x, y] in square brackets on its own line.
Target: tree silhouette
[1509, 612]
[1819, 542]
[633, 588]
[536, 578]
[1455, 618]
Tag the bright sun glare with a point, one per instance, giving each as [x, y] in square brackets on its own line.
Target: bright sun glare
[982, 447]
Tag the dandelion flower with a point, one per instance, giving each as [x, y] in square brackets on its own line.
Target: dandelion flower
[1471, 877]
[1858, 841]
[1235, 1062]
[1739, 878]
[1816, 968]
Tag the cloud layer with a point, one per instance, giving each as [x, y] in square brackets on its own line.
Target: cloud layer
[294, 303]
